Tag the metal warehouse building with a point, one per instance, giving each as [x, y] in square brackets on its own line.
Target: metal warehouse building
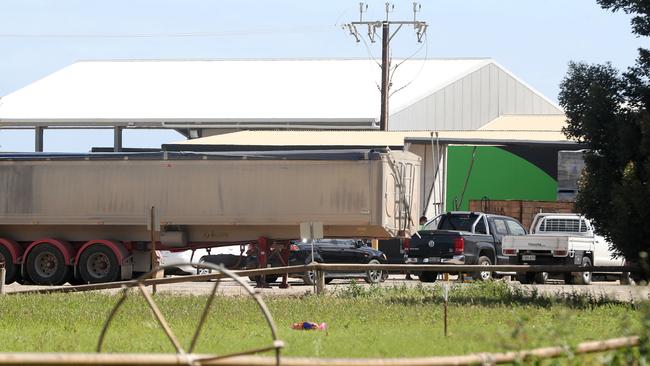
[207, 97]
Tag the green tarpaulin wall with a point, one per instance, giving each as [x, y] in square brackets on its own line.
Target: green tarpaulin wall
[497, 175]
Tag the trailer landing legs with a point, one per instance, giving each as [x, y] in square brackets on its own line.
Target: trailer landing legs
[284, 255]
[265, 250]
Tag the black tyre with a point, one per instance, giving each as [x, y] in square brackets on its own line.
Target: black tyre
[373, 276]
[309, 278]
[428, 276]
[11, 269]
[483, 275]
[541, 278]
[46, 266]
[584, 278]
[98, 264]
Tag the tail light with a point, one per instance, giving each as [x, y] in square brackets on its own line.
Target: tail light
[459, 246]
[509, 252]
[406, 244]
[293, 248]
[560, 253]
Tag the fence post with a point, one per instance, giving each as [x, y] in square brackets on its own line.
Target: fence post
[446, 295]
[3, 274]
[320, 282]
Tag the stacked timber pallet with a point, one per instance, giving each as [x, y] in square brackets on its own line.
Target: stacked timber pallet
[522, 210]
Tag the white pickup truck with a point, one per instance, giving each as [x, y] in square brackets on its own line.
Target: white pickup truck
[559, 239]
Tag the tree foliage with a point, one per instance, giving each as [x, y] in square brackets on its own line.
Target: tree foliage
[608, 112]
[641, 9]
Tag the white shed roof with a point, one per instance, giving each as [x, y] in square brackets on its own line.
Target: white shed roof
[290, 139]
[515, 128]
[222, 92]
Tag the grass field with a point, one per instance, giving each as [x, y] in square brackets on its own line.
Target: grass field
[375, 322]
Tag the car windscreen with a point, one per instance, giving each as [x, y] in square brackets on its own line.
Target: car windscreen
[458, 222]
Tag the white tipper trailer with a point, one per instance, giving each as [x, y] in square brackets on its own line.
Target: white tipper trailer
[86, 217]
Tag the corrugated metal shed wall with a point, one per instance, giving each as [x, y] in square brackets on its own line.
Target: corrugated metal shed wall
[471, 102]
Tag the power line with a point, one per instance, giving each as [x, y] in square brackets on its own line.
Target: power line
[424, 61]
[237, 33]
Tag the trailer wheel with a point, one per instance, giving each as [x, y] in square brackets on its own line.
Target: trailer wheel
[46, 265]
[98, 264]
[10, 267]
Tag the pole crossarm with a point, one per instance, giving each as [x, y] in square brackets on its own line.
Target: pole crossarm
[378, 23]
[420, 28]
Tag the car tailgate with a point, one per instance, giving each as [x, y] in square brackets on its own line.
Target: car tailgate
[535, 242]
[436, 243]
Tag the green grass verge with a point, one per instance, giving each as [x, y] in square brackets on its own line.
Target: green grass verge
[375, 322]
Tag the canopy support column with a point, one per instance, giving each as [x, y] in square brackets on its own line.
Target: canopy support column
[117, 138]
[38, 138]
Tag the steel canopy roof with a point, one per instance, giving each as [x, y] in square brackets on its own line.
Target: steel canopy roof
[219, 93]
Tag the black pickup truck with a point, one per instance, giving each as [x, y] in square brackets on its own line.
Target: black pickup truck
[461, 238]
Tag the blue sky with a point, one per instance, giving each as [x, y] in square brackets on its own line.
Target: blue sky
[533, 39]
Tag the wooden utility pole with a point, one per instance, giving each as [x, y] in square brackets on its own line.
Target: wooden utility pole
[385, 74]
[420, 29]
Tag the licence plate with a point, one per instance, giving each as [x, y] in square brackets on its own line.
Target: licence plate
[528, 257]
[432, 260]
